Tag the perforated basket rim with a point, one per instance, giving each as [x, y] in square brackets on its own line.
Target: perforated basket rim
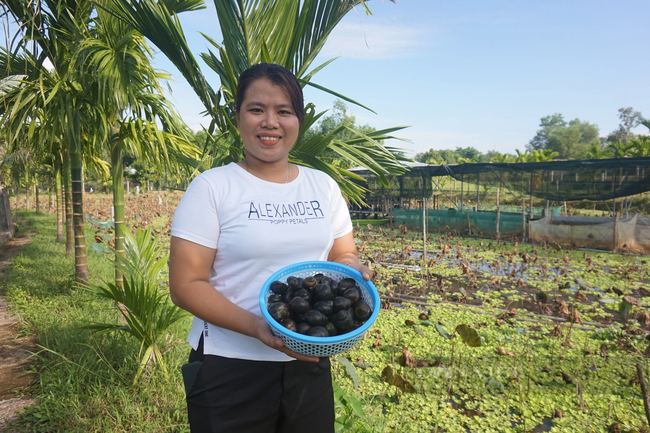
[318, 266]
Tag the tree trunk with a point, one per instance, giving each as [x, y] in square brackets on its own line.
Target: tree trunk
[28, 185]
[59, 200]
[117, 173]
[49, 194]
[74, 147]
[38, 201]
[67, 200]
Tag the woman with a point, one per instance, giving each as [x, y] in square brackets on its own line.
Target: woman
[234, 227]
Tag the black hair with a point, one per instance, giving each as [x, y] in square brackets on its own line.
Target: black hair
[278, 75]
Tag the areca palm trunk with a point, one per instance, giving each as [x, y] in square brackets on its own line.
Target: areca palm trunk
[74, 149]
[49, 195]
[67, 200]
[117, 174]
[28, 198]
[59, 201]
[36, 196]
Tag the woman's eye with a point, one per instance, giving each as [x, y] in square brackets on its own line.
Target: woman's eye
[286, 113]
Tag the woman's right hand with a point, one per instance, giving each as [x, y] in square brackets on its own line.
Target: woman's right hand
[265, 335]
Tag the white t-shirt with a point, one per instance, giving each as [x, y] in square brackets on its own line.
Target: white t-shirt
[257, 228]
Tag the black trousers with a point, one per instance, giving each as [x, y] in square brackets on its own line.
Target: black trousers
[241, 396]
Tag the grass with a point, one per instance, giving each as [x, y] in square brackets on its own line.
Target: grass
[84, 380]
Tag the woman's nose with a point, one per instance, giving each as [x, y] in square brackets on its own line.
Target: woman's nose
[270, 120]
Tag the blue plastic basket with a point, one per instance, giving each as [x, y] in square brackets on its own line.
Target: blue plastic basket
[320, 346]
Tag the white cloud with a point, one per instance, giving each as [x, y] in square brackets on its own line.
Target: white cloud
[375, 41]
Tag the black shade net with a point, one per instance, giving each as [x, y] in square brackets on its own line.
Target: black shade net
[597, 179]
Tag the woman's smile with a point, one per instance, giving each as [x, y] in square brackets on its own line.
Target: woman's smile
[269, 140]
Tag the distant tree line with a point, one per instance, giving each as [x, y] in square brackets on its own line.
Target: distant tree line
[559, 139]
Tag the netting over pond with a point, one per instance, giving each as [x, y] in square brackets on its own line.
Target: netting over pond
[596, 179]
[466, 222]
[627, 234]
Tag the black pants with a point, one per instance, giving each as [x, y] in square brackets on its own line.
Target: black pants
[241, 396]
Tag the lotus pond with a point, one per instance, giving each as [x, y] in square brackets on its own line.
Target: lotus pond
[483, 335]
[496, 337]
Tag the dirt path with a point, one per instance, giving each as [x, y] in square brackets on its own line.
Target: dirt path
[14, 349]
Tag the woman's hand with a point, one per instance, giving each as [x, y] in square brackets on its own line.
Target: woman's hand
[264, 334]
[365, 271]
[344, 251]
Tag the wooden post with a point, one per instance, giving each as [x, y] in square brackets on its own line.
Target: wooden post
[532, 187]
[424, 231]
[523, 218]
[462, 190]
[644, 390]
[498, 218]
[498, 190]
[616, 216]
[469, 226]
[36, 195]
[478, 176]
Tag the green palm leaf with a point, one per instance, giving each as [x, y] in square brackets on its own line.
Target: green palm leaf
[287, 32]
[147, 309]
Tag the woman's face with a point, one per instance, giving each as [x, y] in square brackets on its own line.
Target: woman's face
[267, 122]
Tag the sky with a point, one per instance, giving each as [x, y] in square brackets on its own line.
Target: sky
[470, 72]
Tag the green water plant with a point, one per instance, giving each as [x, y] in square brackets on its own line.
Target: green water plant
[143, 301]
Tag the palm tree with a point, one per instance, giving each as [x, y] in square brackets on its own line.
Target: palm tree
[251, 34]
[53, 28]
[472, 160]
[595, 152]
[619, 149]
[117, 66]
[103, 68]
[542, 155]
[639, 146]
[522, 157]
[502, 157]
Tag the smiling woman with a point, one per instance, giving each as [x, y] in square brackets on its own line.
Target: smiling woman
[268, 125]
[234, 227]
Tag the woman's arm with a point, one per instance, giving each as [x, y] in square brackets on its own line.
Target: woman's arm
[345, 251]
[190, 289]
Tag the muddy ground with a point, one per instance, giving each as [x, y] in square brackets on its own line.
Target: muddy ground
[15, 349]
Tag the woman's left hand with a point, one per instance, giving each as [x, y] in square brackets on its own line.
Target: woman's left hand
[344, 251]
[365, 271]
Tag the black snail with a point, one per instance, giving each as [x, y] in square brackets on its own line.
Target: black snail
[317, 305]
